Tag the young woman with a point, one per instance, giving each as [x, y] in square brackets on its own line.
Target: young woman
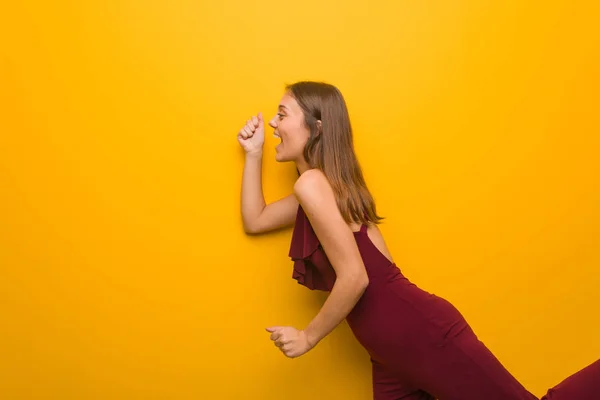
[420, 345]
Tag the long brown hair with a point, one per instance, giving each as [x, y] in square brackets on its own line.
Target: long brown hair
[330, 148]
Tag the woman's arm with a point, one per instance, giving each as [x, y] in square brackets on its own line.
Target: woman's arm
[257, 216]
[318, 201]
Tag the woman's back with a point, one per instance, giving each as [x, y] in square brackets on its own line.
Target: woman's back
[311, 264]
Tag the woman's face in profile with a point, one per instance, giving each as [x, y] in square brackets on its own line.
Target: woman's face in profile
[290, 127]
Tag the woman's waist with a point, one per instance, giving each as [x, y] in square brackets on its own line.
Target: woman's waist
[394, 301]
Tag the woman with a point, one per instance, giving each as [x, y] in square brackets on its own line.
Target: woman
[421, 347]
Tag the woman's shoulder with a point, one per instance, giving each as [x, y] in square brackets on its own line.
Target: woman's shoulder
[311, 179]
[313, 187]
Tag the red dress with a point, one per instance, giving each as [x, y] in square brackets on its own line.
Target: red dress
[421, 347]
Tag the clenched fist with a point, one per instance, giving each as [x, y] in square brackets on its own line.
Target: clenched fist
[252, 135]
[291, 341]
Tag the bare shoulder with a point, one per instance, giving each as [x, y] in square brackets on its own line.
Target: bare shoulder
[313, 186]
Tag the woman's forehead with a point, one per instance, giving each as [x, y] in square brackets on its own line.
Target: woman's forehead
[288, 102]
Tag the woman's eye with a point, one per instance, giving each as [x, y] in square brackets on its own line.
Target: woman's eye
[280, 115]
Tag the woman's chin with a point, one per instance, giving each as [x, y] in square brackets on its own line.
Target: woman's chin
[282, 156]
[279, 155]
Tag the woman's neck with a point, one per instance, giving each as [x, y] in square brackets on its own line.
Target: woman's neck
[302, 166]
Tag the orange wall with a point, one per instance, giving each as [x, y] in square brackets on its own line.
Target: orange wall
[124, 271]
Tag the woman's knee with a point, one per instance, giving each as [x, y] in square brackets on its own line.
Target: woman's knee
[582, 385]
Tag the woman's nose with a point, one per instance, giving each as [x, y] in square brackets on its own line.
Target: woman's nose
[272, 123]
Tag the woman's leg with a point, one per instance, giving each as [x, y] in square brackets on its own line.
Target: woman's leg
[463, 368]
[388, 386]
[583, 385]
